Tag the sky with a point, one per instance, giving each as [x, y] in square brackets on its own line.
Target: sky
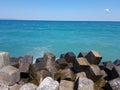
[73, 10]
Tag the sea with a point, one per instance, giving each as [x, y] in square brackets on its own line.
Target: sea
[30, 37]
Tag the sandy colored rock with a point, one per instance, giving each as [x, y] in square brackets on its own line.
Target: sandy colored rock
[66, 85]
[66, 74]
[41, 75]
[9, 75]
[14, 87]
[104, 74]
[96, 70]
[83, 61]
[4, 59]
[81, 64]
[80, 74]
[100, 84]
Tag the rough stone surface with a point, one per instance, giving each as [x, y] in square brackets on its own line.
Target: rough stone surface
[96, 70]
[62, 56]
[50, 63]
[66, 74]
[62, 63]
[20, 73]
[113, 84]
[100, 84]
[83, 61]
[34, 68]
[39, 60]
[80, 74]
[94, 57]
[108, 65]
[4, 88]
[23, 81]
[116, 72]
[9, 75]
[70, 57]
[80, 65]
[108, 69]
[24, 63]
[14, 62]
[48, 84]
[93, 73]
[15, 87]
[4, 59]
[104, 73]
[41, 75]
[117, 62]
[28, 86]
[85, 84]
[49, 57]
[82, 54]
[66, 85]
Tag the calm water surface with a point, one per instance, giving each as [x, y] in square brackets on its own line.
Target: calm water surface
[37, 37]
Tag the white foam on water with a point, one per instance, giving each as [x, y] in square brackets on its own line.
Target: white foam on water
[38, 52]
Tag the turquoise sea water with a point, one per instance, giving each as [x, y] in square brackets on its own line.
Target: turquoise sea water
[37, 37]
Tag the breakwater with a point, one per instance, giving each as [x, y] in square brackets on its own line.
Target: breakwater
[69, 72]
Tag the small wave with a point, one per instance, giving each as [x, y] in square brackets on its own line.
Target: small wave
[38, 52]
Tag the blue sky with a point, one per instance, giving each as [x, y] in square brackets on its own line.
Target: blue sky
[76, 10]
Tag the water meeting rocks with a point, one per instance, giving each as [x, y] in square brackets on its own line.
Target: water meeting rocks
[24, 63]
[50, 63]
[117, 62]
[70, 57]
[82, 54]
[86, 72]
[39, 60]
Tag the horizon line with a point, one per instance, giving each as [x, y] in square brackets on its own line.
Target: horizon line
[61, 20]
